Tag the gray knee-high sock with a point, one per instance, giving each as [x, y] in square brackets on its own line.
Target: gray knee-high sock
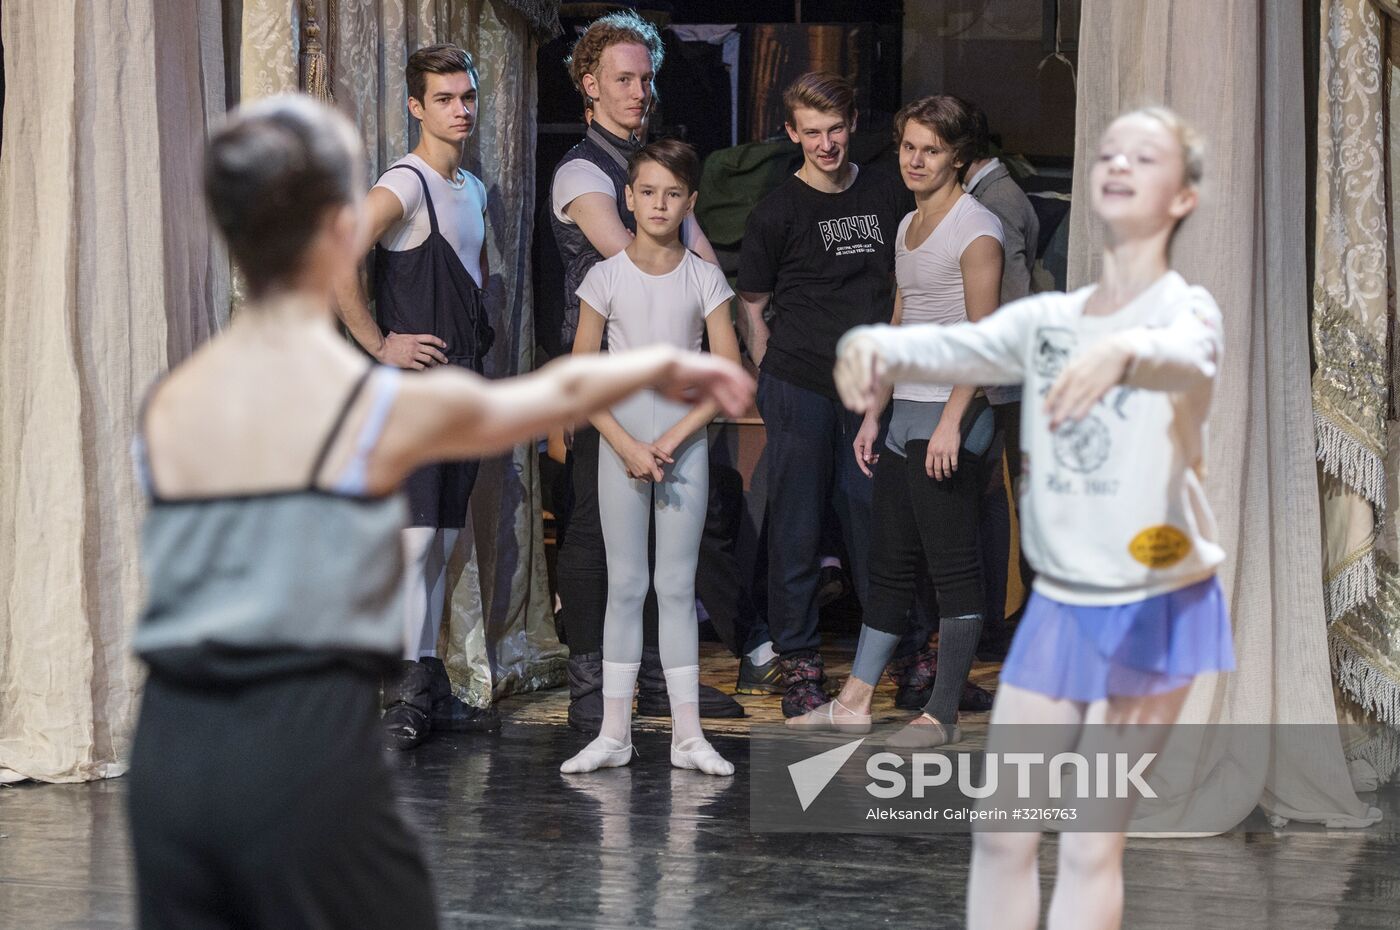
[957, 648]
[873, 651]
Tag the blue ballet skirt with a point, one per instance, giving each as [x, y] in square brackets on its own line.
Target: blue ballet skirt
[1143, 648]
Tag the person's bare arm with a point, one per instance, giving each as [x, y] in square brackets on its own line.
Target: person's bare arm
[725, 344]
[405, 350]
[450, 413]
[981, 273]
[751, 307]
[696, 241]
[596, 217]
[641, 459]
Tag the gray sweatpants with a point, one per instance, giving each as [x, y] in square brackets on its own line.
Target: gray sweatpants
[625, 508]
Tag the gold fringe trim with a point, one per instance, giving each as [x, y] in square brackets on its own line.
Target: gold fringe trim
[1364, 682]
[1350, 460]
[1354, 583]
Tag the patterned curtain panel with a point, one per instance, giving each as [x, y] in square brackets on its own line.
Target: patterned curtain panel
[1354, 396]
[130, 264]
[1231, 67]
[500, 628]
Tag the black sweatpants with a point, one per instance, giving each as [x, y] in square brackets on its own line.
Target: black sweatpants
[922, 523]
[268, 805]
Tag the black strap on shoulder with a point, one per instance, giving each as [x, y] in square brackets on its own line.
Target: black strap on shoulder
[427, 195]
[607, 146]
[354, 394]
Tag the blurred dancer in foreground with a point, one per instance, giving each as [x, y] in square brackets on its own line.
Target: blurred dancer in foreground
[272, 555]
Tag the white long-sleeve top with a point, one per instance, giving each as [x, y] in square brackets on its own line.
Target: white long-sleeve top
[1112, 507]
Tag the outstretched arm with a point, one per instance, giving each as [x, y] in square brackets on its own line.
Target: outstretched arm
[870, 358]
[450, 413]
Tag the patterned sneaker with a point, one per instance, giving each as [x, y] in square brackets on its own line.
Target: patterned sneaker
[913, 677]
[803, 676]
[759, 679]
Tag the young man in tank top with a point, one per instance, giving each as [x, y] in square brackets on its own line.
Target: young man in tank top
[427, 217]
[613, 66]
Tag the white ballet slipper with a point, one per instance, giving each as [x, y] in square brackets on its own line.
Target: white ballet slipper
[917, 735]
[602, 753]
[826, 718]
[697, 753]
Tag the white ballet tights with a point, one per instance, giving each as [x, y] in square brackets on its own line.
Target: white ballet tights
[427, 550]
[1003, 886]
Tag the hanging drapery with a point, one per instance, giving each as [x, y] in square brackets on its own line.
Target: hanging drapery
[500, 633]
[110, 275]
[1230, 66]
[1354, 395]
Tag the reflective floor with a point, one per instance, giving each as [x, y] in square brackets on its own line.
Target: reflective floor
[514, 843]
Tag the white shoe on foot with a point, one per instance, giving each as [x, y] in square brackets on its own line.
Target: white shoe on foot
[697, 753]
[602, 753]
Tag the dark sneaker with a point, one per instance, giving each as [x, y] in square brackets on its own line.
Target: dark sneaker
[586, 692]
[653, 701]
[408, 704]
[913, 678]
[975, 700]
[759, 679]
[802, 675]
[831, 586]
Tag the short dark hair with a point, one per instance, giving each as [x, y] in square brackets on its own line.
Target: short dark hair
[606, 31]
[823, 91]
[951, 120]
[436, 59]
[672, 154]
[270, 174]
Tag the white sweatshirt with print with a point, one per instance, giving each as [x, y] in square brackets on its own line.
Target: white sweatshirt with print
[1112, 507]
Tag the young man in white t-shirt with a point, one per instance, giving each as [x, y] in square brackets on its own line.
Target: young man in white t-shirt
[613, 66]
[427, 217]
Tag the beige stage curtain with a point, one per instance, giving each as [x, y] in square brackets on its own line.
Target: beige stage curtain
[1354, 387]
[500, 633]
[109, 277]
[1231, 67]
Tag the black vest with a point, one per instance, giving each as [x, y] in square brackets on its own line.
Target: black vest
[610, 154]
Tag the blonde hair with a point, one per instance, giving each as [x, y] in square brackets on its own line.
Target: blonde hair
[1193, 147]
[822, 91]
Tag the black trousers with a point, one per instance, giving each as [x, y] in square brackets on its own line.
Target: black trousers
[582, 567]
[923, 524]
[269, 805]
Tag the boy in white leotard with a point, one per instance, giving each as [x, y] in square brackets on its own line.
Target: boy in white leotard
[654, 460]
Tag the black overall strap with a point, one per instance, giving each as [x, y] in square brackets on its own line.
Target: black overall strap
[598, 140]
[427, 195]
[354, 394]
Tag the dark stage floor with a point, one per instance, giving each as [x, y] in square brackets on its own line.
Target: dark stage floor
[513, 843]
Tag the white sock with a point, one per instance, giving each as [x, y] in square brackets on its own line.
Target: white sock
[619, 684]
[683, 689]
[763, 654]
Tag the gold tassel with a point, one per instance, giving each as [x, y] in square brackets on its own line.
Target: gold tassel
[315, 75]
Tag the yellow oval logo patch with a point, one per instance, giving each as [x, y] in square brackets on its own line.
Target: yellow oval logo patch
[1159, 546]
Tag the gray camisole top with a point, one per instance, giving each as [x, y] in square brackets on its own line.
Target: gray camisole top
[310, 569]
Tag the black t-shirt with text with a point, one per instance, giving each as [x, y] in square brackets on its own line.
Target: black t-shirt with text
[828, 261]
